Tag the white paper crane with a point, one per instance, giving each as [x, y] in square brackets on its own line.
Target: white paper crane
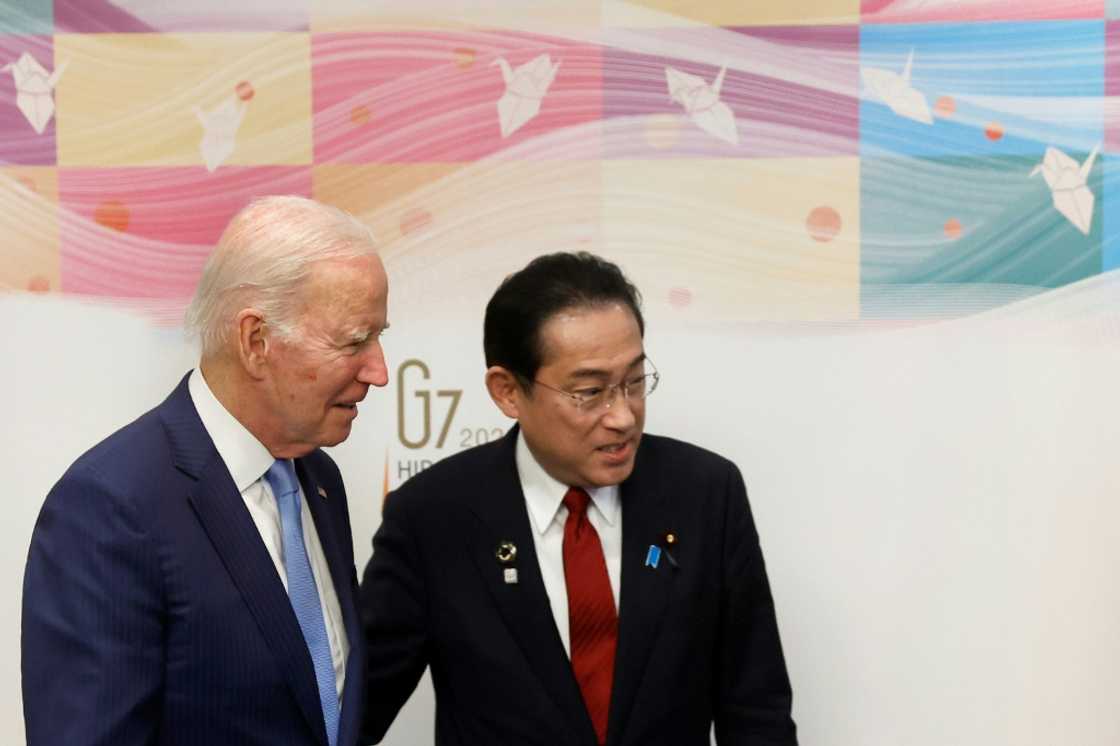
[34, 89]
[526, 85]
[1066, 179]
[701, 102]
[219, 131]
[897, 93]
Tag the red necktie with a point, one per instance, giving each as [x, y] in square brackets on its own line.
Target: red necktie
[592, 619]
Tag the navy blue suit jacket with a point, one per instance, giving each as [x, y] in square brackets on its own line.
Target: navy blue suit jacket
[152, 611]
[697, 639]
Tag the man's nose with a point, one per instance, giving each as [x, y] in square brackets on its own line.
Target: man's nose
[620, 415]
[374, 370]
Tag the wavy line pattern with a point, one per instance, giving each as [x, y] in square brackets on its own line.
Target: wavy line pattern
[877, 164]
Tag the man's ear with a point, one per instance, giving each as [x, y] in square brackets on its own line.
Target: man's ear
[504, 389]
[253, 343]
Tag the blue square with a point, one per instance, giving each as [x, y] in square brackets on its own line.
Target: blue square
[34, 17]
[990, 89]
[1110, 206]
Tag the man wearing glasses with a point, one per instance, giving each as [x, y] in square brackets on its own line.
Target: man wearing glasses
[576, 582]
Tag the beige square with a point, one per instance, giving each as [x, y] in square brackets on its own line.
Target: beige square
[29, 224]
[535, 16]
[131, 99]
[674, 13]
[738, 240]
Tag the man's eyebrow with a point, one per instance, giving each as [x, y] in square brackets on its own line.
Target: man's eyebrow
[355, 336]
[599, 372]
[361, 334]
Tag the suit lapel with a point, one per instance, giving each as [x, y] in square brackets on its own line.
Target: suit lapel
[235, 538]
[647, 513]
[503, 517]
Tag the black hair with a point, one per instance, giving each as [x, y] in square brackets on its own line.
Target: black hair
[549, 284]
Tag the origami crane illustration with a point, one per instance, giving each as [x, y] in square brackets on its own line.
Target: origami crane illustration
[34, 88]
[701, 102]
[526, 85]
[219, 131]
[1066, 179]
[897, 93]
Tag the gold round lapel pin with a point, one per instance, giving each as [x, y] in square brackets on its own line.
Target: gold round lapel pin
[671, 541]
[506, 552]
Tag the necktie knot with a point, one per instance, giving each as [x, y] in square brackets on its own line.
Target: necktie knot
[281, 476]
[576, 500]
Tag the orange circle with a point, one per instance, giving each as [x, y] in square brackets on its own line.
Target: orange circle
[39, 284]
[244, 90]
[953, 228]
[945, 107]
[112, 214]
[464, 57]
[994, 131]
[414, 219]
[360, 115]
[823, 223]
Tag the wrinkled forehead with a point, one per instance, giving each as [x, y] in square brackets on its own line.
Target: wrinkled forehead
[343, 292]
[350, 279]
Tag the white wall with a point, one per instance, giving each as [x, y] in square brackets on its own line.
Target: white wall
[937, 503]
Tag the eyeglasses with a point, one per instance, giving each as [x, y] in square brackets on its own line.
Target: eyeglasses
[598, 399]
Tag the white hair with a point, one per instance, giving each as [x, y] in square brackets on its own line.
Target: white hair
[263, 256]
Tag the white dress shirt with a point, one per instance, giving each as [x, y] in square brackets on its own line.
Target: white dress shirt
[544, 497]
[247, 460]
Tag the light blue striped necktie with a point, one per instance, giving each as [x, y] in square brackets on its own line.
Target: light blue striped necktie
[302, 591]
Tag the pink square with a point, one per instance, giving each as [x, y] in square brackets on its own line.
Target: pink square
[427, 96]
[27, 129]
[146, 232]
[953, 11]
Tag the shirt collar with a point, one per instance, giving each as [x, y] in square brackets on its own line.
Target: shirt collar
[544, 495]
[245, 457]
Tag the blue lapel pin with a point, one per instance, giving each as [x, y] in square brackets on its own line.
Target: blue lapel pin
[653, 556]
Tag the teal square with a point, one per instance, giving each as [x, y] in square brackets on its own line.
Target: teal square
[963, 234]
[33, 17]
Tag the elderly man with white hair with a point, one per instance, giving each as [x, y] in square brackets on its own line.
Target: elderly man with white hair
[191, 577]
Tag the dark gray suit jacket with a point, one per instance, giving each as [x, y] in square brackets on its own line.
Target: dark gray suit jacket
[698, 642]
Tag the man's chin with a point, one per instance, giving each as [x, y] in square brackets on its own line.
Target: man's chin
[335, 436]
[607, 476]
